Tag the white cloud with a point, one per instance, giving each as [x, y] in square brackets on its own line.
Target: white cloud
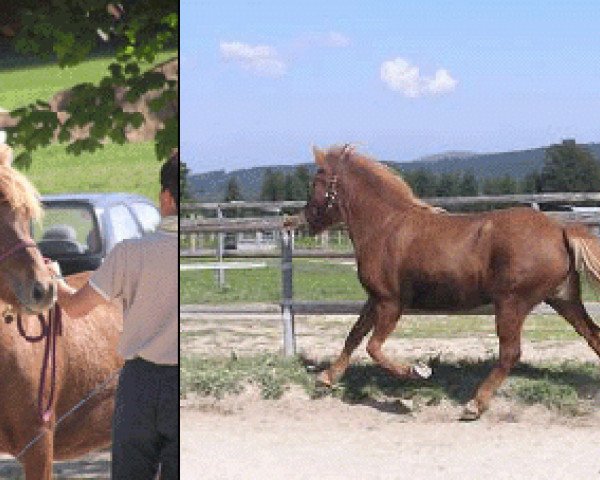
[441, 83]
[399, 75]
[259, 59]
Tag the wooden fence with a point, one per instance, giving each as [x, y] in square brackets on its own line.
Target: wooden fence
[289, 307]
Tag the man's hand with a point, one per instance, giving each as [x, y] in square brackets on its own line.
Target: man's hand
[294, 221]
[61, 284]
[53, 268]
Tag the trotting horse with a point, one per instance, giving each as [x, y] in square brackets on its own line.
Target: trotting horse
[86, 351]
[412, 255]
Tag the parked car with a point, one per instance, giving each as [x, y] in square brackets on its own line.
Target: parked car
[78, 230]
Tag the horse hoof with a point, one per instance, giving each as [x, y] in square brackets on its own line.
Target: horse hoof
[471, 412]
[421, 371]
[324, 380]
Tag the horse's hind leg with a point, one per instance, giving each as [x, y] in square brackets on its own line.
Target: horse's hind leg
[363, 325]
[510, 315]
[576, 315]
[386, 315]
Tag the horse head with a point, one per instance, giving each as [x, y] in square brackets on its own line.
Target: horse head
[25, 282]
[323, 207]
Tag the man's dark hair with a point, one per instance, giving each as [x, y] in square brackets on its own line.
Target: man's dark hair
[169, 177]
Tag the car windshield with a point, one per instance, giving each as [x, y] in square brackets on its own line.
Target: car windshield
[67, 230]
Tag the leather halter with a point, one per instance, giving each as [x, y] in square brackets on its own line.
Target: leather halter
[15, 248]
[48, 332]
[331, 193]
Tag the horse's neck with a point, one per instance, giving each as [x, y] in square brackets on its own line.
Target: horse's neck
[366, 214]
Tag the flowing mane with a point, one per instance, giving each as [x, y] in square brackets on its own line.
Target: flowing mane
[386, 179]
[17, 190]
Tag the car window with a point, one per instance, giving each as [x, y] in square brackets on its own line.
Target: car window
[123, 224]
[66, 230]
[147, 215]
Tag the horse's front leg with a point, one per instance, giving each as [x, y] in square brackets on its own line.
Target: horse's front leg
[37, 461]
[385, 318]
[363, 325]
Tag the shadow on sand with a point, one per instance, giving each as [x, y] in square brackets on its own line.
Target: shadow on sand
[456, 381]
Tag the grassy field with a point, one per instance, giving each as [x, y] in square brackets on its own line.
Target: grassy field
[128, 168]
[568, 387]
[21, 86]
[313, 280]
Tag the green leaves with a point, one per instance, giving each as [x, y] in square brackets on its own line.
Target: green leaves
[570, 168]
[95, 113]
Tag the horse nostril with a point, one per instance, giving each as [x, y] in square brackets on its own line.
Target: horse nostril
[39, 292]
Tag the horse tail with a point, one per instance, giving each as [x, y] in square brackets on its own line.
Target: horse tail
[586, 252]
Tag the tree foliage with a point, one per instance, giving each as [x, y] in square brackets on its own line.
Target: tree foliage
[426, 183]
[504, 185]
[297, 184]
[292, 186]
[183, 181]
[569, 167]
[273, 186]
[422, 181]
[69, 31]
[233, 192]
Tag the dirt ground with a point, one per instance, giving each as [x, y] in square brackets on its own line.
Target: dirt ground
[245, 437]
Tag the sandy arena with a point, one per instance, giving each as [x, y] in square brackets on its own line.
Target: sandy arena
[245, 437]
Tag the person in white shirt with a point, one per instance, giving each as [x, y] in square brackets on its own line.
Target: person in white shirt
[143, 275]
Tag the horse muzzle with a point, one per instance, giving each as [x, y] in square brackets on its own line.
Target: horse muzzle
[37, 296]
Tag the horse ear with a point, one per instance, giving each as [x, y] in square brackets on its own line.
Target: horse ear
[319, 156]
[6, 155]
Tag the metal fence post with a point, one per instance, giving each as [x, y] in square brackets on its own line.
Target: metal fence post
[287, 313]
[220, 249]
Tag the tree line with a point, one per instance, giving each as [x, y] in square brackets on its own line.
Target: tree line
[567, 167]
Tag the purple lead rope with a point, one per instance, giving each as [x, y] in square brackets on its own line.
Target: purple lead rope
[49, 332]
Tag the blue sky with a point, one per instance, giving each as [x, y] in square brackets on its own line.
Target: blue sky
[262, 81]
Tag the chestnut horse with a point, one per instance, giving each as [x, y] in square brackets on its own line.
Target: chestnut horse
[86, 351]
[412, 255]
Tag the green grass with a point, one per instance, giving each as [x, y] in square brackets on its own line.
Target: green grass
[313, 280]
[218, 377]
[568, 387]
[132, 167]
[20, 86]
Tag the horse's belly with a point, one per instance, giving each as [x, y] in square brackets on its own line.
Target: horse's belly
[446, 296]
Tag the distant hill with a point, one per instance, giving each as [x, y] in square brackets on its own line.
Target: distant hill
[211, 186]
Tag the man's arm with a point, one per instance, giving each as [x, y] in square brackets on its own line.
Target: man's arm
[78, 302]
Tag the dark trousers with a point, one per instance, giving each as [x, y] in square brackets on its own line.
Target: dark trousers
[146, 422]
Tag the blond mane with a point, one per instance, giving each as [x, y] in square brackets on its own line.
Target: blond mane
[17, 190]
[388, 180]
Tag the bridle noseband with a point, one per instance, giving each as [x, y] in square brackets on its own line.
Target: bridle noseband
[15, 248]
[49, 332]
